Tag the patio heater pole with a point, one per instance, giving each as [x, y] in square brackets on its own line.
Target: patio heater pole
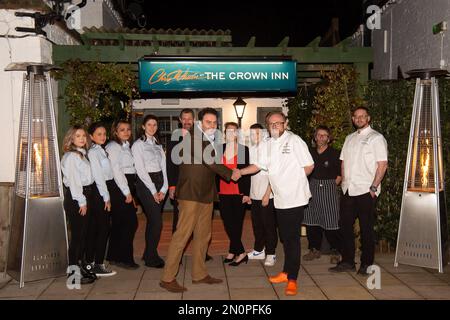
[38, 237]
[423, 232]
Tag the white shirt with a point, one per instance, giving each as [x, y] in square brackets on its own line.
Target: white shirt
[284, 158]
[149, 157]
[101, 169]
[259, 181]
[122, 163]
[76, 174]
[360, 154]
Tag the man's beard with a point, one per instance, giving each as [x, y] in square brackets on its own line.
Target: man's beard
[276, 133]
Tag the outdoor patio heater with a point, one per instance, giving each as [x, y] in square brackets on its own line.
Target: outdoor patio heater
[38, 236]
[423, 234]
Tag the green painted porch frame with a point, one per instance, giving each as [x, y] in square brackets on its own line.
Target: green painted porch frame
[310, 59]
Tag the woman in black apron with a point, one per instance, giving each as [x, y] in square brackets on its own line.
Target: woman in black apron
[322, 213]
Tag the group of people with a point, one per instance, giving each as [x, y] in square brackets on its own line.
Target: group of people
[285, 183]
[102, 185]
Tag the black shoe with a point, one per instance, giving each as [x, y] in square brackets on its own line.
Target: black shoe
[128, 266]
[235, 263]
[208, 257]
[226, 260]
[87, 270]
[363, 270]
[158, 265]
[112, 262]
[343, 267]
[101, 270]
[83, 279]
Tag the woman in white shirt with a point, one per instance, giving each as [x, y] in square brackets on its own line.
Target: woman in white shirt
[100, 218]
[123, 219]
[78, 198]
[151, 186]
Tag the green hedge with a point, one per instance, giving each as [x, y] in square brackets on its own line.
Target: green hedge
[390, 104]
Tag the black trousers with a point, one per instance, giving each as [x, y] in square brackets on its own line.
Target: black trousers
[289, 224]
[98, 228]
[153, 213]
[124, 224]
[363, 208]
[264, 226]
[78, 224]
[232, 211]
[315, 233]
[176, 213]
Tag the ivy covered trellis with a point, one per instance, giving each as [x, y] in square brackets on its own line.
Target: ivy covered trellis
[327, 103]
[390, 104]
[97, 91]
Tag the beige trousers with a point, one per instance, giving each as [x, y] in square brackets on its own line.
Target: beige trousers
[194, 217]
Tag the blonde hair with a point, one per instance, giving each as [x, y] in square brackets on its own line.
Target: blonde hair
[68, 145]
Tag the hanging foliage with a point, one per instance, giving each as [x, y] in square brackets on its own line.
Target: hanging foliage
[390, 104]
[300, 112]
[334, 101]
[97, 91]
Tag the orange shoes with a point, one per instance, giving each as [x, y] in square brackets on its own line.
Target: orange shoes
[291, 288]
[279, 278]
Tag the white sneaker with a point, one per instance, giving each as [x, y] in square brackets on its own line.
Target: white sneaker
[270, 260]
[256, 255]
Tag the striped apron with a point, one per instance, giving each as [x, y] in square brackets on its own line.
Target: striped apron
[323, 208]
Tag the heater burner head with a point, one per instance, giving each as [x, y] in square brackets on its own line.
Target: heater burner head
[427, 74]
[30, 66]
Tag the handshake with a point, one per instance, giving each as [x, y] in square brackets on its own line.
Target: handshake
[236, 175]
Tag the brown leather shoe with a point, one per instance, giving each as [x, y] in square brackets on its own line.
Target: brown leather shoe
[172, 286]
[208, 280]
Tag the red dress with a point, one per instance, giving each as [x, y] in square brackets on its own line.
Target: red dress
[229, 188]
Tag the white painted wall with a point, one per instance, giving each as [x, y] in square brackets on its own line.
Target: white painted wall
[228, 113]
[27, 47]
[19, 47]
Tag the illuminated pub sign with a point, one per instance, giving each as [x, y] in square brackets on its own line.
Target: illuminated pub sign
[217, 75]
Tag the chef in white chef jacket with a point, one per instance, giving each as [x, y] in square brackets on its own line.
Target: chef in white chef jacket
[286, 158]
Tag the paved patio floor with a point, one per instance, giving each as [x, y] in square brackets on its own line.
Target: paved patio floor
[245, 282]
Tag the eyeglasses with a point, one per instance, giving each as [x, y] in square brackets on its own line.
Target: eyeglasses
[276, 124]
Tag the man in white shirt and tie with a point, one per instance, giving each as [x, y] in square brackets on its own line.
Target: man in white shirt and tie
[364, 163]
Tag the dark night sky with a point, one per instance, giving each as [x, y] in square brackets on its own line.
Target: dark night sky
[302, 21]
